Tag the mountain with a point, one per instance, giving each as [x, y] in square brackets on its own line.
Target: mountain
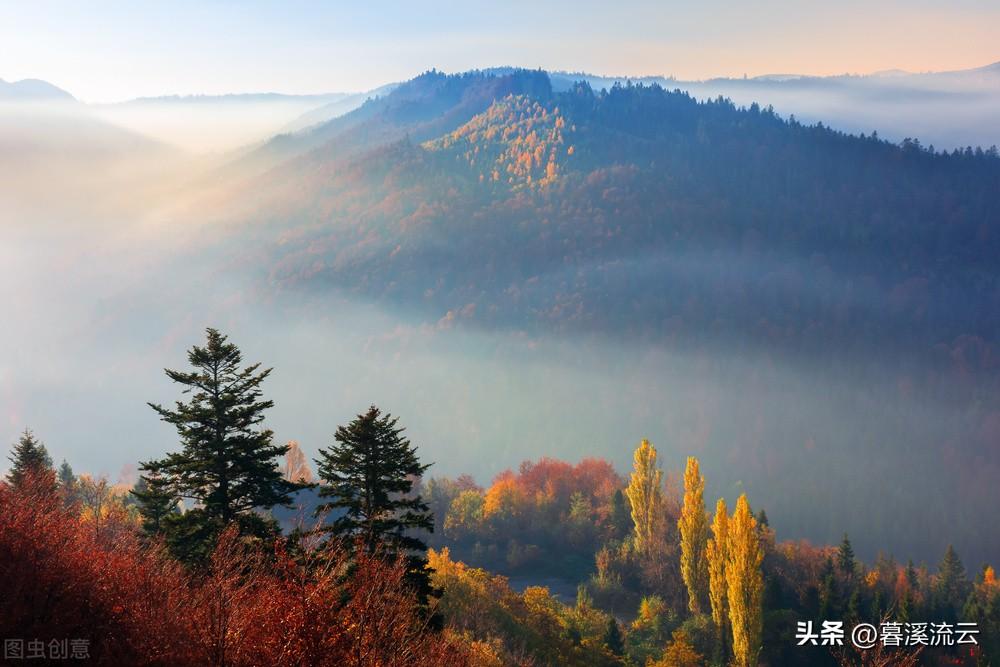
[33, 90]
[214, 123]
[335, 108]
[497, 191]
[646, 219]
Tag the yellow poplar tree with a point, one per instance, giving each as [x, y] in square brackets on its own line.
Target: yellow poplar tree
[693, 527]
[744, 584]
[645, 496]
[717, 550]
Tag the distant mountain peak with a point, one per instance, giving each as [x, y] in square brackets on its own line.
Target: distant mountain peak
[32, 90]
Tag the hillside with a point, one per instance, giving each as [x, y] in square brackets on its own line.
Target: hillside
[644, 208]
[840, 291]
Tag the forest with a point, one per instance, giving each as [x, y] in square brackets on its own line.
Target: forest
[385, 563]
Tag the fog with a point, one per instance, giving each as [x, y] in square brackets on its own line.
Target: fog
[947, 109]
[105, 282]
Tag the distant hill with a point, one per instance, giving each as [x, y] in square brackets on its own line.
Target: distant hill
[32, 90]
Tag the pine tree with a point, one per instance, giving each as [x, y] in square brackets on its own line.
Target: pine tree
[368, 475]
[29, 458]
[645, 496]
[845, 557]
[228, 464]
[157, 504]
[745, 584]
[613, 637]
[952, 584]
[693, 527]
[621, 518]
[69, 485]
[717, 553]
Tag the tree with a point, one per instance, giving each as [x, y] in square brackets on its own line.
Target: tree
[620, 519]
[717, 553]
[693, 528]
[28, 457]
[679, 653]
[646, 496]
[745, 584]
[368, 474]
[296, 466]
[228, 463]
[952, 584]
[156, 503]
[613, 637]
[69, 485]
[845, 557]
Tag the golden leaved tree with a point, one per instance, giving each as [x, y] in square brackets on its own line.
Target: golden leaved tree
[744, 584]
[645, 496]
[693, 527]
[717, 551]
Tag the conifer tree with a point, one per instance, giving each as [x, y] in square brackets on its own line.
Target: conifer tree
[620, 519]
[952, 585]
[69, 485]
[745, 584]
[613, 637]
[645, 495]
[367, 476]
[845, 557]
[228, 464]
[156, 502]
[693, 527]
[29, 457]
[717, 553]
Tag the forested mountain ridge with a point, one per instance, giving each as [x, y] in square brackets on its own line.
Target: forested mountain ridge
[840, 292]
[635, 205]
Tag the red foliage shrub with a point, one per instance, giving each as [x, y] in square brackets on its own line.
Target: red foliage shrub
[137, 607]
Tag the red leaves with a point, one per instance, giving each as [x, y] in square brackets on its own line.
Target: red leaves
[137, 607]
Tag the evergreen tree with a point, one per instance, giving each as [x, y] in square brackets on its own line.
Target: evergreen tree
[952, 585]
[645, 496]
[845, 557]
[29, 457]
[69, 485]
[693, 527]
[156, 502]
[745, 585]
[621, 517]
[228, 464]
[368, 476]
[613, 637]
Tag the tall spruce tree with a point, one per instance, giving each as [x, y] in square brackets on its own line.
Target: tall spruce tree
[366, 479]
[29, 457]
[228, 464]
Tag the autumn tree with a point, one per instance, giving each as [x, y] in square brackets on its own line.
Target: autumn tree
[367, 475]
[29, 457]
[646, 496]
[296, 466]
[228, 462]
[744, 584]
[693, 528]
[717, 552]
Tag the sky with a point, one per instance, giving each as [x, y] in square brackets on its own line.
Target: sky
[116, 50]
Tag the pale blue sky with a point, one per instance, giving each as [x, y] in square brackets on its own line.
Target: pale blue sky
[107, 51]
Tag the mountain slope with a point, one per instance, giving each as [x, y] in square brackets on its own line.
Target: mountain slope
[546, 207]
